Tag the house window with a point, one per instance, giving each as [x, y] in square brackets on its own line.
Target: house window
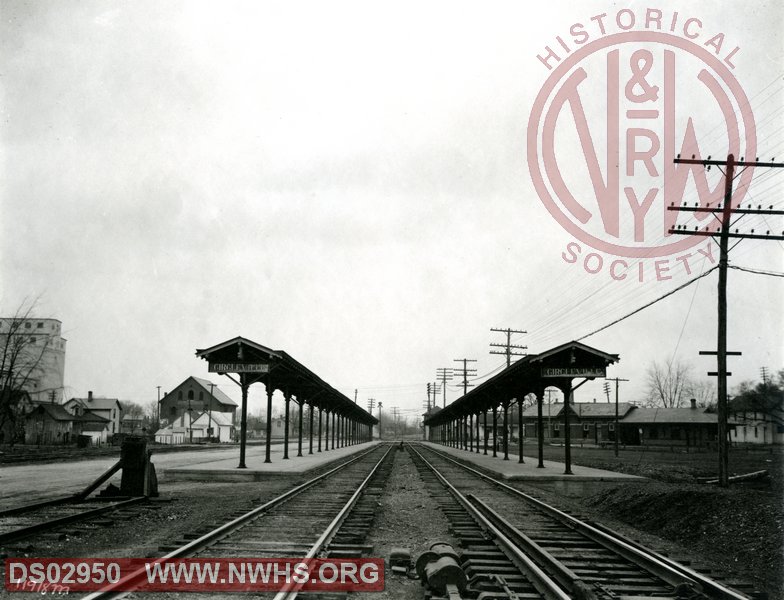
[201, 396]
[40, 325]
[172, 410]
[32, 340]
[611, 427]
[755, 432]
[28, 325]
[586, 427]
[190, 394]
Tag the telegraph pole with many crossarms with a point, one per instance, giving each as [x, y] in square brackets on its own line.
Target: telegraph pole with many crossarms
[466, 372]
[508, 347]
[723, 231]
[444, 374]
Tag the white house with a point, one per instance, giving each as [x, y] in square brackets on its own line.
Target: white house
[182, 431]
[108, 408]
[758, 427]
[222, 427]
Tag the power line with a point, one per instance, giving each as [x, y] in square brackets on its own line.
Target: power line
[756, 271]
[644, 306]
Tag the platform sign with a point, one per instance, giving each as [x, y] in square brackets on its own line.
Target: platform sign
[235, 367]
[574, 372]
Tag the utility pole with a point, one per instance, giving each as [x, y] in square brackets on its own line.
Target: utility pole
[444, 374]
[508, 347]
[158, 410]
[617, 380]
[355, 396]
[724, 234]
[371, 405]
[428, 397]
[764, 374]
[380, 406]
[607, 390]
[466, 372]
[394, 420]
[209, 429]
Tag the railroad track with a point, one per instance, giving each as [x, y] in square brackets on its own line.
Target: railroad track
[25, 521]
[328, 516]
[515, 544]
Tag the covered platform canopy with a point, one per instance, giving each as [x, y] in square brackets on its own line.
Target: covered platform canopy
[556, 367]
[247, 362]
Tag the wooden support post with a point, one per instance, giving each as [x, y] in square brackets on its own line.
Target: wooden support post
[506, 429]
[287, 399]
[299, 440]
[319, 429]
[268, 448]
[520, 429]
[495, 431]
[540, 427]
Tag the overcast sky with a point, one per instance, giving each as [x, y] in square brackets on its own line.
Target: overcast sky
[346, 181]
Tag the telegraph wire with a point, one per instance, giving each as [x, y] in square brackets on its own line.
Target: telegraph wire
[643, 307]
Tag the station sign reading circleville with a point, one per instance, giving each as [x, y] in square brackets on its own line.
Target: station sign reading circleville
[239, 368]
[574, 372]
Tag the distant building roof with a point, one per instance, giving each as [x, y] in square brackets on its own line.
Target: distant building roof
[584, 410]
[218, 418]
[97, 403]
[54, 411]
[182, 424]
[217, 393]
[91, 417]
[670, 415]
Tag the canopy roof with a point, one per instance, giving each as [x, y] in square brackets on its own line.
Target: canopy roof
[278, 369]
[560, 364]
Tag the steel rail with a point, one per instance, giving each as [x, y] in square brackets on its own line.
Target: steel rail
[23, 532]
[636, 554]
[549, 589]
[332, 528]
[220, 532]
[25, 508]
[566, 578]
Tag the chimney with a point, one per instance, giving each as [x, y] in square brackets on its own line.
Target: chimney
[694, 404]
[89, 396]
[594, 400]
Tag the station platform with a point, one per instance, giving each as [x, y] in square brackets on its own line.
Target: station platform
[225, 469]
[528, 471]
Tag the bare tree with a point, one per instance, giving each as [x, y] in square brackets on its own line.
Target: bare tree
[134, 411]
[704, 392]
[20, 366]
[151, 412]
[669, 383]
